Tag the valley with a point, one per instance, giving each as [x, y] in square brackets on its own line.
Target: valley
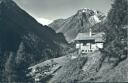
[88, 46]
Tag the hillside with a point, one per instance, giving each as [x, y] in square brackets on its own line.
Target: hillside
[110, 64]
[32, 52]
[24, 42]
[91, 69]
[79, 22]
[88, 68]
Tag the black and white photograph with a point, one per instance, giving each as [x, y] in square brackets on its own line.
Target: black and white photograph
[63, 41]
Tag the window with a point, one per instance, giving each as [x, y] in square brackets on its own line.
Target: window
[82, 51]
[90, 50]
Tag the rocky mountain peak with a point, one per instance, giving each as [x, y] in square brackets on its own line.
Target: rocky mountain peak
[8, 3]
[79, 22]
[86, 12]
[5, 1]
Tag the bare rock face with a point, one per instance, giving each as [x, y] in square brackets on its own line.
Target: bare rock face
[80, 22]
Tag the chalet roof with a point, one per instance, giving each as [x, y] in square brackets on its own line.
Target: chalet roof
[98, 37]
[83, 36]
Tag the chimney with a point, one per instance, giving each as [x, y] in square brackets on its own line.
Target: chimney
[90, 32]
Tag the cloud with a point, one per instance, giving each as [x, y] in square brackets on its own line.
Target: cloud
[44, 21]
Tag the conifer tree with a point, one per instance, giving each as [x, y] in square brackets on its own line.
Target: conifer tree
[116, 35]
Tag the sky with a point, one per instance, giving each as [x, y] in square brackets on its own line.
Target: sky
[57, 9]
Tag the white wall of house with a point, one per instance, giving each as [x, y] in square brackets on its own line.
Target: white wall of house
[93, 46]
[78, 45]
[86, 48]
[99, 45]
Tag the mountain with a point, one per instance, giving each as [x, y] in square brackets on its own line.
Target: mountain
[80, 22]
[44, 21]
[109, 64]
[24, 42]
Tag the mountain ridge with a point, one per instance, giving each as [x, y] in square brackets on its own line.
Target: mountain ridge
[79, 22]
[24, 42]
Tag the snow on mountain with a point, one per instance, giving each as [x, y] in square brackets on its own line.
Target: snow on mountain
[94, 20]
[44, 21]
[79, 22]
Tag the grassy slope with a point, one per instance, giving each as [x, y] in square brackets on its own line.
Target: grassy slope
[78, 69]
[117, 74]
[59, 61]
[91, 69]
[87, 69]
